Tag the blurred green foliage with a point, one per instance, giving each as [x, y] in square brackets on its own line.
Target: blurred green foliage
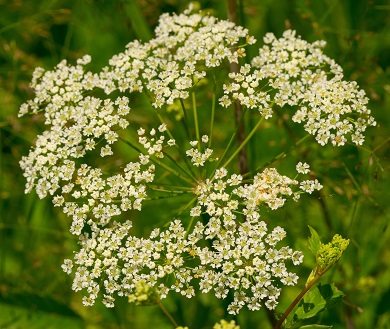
[34, 238]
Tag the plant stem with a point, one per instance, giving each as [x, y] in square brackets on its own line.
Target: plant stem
[297, 299]
[235, 68]
[243, 143]
[212, 110]
[172, 171]
[167, 314]
[162, 121]
[282, 154]
[190, 172]
[232, 11]
[186, 124]
[194, 108]
[161, 164]
[230, 142]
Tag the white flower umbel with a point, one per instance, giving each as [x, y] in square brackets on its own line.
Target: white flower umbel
[219, 244]
[243, 257]
[304, 78]
[168, 66]
[117, 259]
[76, 124]
[245, 260]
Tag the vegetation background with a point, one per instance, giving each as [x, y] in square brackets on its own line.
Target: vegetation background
[34, 238]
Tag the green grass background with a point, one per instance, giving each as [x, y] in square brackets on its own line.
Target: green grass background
[34, 238]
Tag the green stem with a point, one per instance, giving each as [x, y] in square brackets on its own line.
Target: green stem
[319, 272]
[162, 122]
[296, 300]
[177, 189]
[378, 146]
[163, 165]
[189, 174]
[280, 155]
[182, 210]
[172, 171]
[213, 102]
[171, 194]
[167, 314]
[232, 138]
[239, 148]
[194, 108]
[187, 126]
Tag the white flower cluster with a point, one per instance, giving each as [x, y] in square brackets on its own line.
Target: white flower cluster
[153, 145]
[101, 198]
[302, 76]
[74, 132]
[77, 123]
[197, 157]
[268, 187]
[242, 256]
[245, 261]
[121, 261]
[228, 250]
[169, 65]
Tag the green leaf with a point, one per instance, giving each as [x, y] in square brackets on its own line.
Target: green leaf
[314, 241]
[317, 300]
[315, 326]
